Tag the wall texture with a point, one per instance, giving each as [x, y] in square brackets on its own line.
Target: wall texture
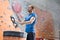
[52, 6]
[48, 12]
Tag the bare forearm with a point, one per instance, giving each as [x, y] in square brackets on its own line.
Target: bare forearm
[25, 22]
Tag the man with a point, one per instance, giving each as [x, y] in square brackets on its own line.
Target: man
[30, 22]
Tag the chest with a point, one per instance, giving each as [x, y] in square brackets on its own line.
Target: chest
[28, 17]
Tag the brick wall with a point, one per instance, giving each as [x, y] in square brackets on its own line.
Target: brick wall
[44, 27]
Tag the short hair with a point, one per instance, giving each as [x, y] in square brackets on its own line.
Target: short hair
[31, 6]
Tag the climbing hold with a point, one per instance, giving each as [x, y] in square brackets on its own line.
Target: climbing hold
[12, 19]
[0, 25]
[1, 16]
[1, 21]
[15, 24]
[9, 25]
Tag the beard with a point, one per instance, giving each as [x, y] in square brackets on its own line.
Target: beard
[29, 11]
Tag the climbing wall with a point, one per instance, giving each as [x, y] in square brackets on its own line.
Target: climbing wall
[5, 13]
[44, 27]
[5, 20]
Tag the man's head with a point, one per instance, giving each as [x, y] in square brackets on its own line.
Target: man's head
[30, 8]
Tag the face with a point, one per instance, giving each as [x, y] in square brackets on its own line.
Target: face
[30, 8]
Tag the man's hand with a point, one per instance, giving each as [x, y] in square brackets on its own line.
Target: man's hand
[20, 22]
[17, 20]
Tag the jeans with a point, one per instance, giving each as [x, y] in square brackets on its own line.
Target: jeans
[30, 36]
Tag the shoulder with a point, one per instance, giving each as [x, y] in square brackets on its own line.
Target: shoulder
[34, 14]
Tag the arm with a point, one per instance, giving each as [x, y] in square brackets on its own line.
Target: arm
[28, 22]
